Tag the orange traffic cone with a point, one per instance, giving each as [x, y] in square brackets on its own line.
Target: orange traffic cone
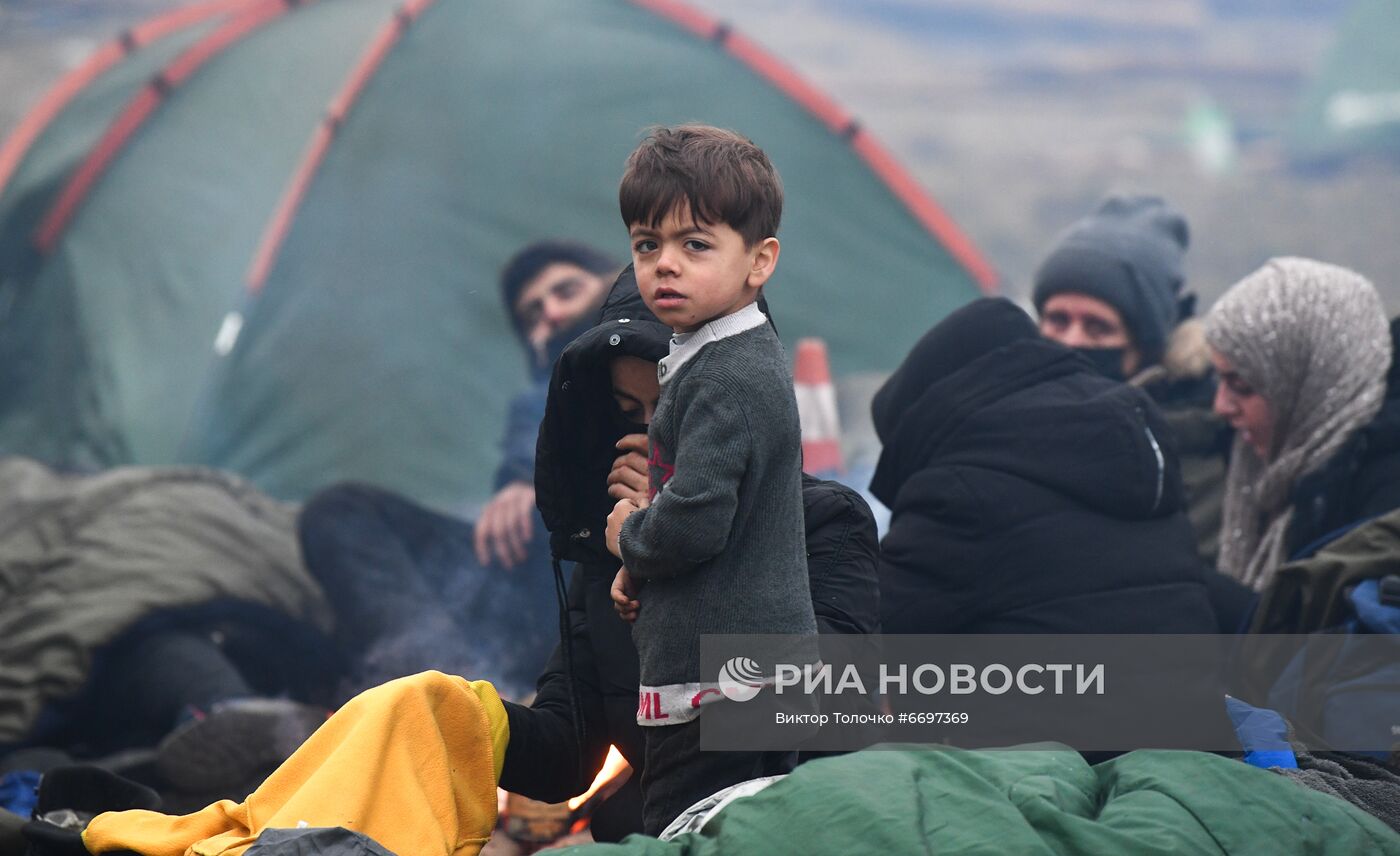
[816, 409]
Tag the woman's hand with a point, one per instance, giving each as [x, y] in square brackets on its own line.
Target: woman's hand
[629, 478]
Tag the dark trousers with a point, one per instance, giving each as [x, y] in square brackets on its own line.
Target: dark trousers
[140, 687]
[409, 594]
[676, 774]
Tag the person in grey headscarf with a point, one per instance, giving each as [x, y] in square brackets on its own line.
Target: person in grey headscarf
[1302, 349]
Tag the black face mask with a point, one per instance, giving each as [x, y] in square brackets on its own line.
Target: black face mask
[622, 425]
[630, 427]
[1108, 361]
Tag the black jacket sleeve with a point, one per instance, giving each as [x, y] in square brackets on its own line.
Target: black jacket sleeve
[842, 558]
[542, 757]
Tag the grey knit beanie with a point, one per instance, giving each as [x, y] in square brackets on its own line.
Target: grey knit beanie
[1312, 338]
[1128, 254]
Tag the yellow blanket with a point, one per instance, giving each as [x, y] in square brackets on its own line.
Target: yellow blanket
[412, 764]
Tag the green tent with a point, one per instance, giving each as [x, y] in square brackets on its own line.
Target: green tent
[1352, 105]
[264, 235]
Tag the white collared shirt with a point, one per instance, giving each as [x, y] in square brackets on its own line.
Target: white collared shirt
[687, 345]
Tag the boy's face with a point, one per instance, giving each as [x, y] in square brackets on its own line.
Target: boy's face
[691, 273]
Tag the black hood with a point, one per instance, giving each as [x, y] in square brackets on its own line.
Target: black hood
[969, 332]
[582, 423]
[977, 392]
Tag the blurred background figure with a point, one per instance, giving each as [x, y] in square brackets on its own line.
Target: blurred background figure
[415, 589]
[552, 290]
[1113, 289]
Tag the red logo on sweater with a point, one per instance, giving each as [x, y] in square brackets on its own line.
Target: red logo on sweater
[698, 699]
[649, 706]
[657, 464]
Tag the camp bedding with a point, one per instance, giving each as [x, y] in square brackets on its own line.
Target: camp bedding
[1027, 803]
[85, 558]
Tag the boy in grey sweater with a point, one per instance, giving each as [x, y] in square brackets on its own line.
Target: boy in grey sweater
[719, 548]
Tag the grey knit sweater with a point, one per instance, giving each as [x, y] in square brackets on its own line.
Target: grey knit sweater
[721, 549]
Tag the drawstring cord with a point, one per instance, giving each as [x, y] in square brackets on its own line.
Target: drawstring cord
[567, 638]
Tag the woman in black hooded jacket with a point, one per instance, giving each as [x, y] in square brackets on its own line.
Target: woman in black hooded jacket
[587, 695]
[1029, 494]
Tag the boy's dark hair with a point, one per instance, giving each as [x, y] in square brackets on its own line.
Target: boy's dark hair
[531, 259]
[722, 176]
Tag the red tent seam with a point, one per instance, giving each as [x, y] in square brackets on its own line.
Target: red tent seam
[38, 119]
[281, 223]
[924, 209]
[250, 17]
[255, 13]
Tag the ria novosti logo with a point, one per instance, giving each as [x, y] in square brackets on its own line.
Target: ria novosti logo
[740, 679]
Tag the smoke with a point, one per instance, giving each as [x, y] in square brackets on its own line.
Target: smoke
[483, 623]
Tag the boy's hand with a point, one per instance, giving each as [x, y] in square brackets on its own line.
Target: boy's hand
[629, 478]
[624, 596]
[619, 515]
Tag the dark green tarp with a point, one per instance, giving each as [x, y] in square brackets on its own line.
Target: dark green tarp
[376, 347]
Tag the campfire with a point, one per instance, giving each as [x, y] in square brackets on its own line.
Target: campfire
[612, 775]
[536, 824]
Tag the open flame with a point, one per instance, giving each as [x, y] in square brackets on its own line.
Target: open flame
[613, 766]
